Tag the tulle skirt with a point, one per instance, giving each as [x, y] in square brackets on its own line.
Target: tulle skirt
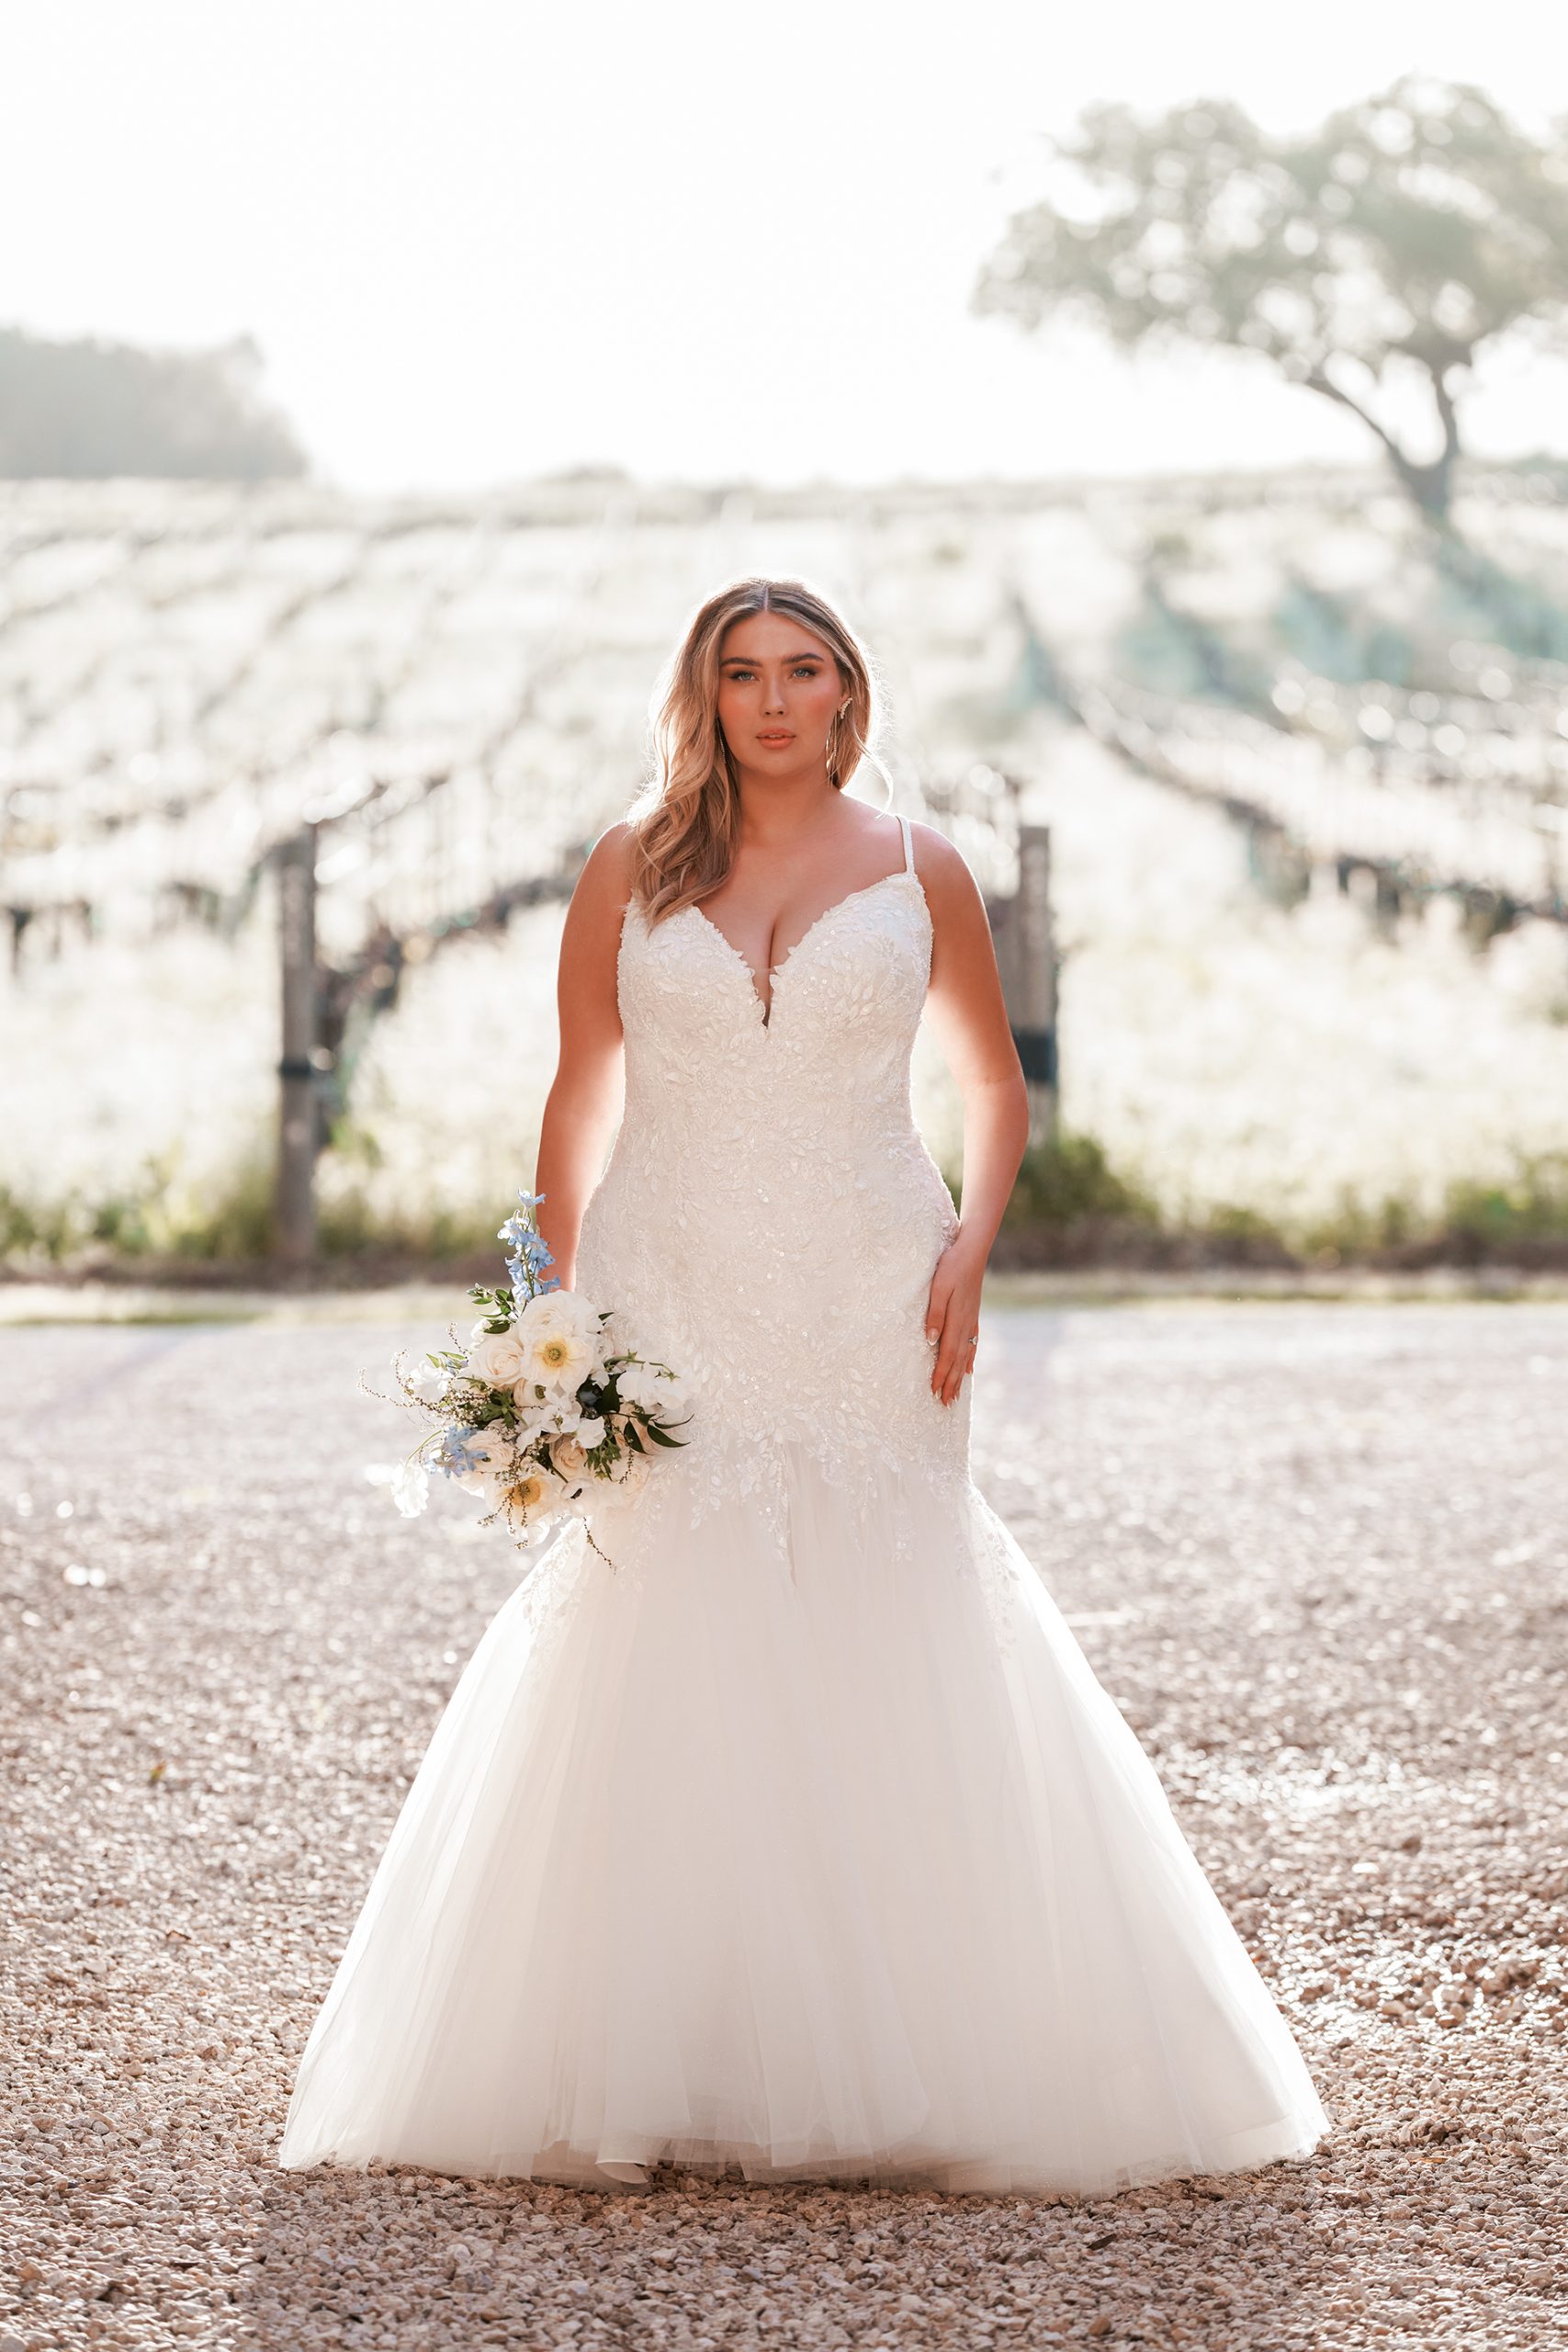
[809, 1847]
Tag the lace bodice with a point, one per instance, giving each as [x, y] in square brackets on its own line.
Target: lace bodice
[768, 1217]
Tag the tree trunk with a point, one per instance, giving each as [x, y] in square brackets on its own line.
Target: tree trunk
[1428, 486]
[1431, 486]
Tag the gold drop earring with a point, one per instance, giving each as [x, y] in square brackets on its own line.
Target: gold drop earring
[832, 746]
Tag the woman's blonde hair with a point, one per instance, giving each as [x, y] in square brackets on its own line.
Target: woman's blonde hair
[685, 826]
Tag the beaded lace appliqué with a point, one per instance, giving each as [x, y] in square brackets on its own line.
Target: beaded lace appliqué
[769, 1218]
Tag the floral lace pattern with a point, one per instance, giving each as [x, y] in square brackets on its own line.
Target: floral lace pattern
[769, 1218]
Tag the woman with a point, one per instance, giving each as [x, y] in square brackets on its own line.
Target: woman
[795, 1833]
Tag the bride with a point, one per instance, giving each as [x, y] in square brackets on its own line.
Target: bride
[795, 1834]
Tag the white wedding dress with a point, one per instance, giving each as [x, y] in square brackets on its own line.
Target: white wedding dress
[802, 1838]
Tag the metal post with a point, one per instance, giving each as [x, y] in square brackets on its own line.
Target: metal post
[295, 1204]
[1032, 978]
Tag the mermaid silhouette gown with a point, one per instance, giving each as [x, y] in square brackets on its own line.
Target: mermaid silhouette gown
[801, 1839]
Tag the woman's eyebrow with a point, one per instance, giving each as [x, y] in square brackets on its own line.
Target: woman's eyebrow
[753, 658]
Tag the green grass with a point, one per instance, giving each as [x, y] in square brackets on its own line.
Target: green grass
[1071, 1207]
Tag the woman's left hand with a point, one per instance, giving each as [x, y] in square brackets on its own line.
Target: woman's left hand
[953, 1314]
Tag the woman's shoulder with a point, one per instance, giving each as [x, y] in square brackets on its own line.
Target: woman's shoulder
[607, 868]
[936, 861]
[602, 890]
[614, 842]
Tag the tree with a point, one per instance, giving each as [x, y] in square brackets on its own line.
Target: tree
[1383, 248]
[90, 409]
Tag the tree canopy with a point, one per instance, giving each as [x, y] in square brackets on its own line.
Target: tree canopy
[1394, 240]
[91, 409]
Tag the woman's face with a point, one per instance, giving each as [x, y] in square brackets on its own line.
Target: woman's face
[778, 689]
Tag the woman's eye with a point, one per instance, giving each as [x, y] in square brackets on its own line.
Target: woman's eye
[745, 677]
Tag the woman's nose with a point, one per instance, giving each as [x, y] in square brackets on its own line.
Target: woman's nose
[773, 694]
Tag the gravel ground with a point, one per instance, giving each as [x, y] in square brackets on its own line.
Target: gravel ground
[1320, 1556]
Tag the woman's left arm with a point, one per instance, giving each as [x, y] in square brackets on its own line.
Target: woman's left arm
[970, 1023]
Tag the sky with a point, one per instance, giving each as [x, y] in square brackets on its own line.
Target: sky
[482, 240]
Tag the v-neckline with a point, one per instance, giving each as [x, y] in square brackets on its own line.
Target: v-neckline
[765, 1007]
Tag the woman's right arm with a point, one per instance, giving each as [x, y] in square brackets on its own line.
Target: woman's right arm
[584, 1101]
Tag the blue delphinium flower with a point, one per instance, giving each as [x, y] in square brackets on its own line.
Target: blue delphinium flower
[455, 1458]
[530, 1253]
[531, 1247]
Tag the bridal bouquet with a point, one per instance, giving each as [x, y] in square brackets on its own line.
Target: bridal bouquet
[537, 1406]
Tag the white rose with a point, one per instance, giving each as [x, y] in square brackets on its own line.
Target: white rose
[500, 1359]
[570, 1457]
[495, 1444]
[589, 1431]
[568, 1308]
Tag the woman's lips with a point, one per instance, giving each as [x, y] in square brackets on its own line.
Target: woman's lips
[777, 735]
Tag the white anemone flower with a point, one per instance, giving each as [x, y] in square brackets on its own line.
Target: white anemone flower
[528, 1493]
[561, 1352]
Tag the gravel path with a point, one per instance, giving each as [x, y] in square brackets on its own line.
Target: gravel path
[1319, 1554]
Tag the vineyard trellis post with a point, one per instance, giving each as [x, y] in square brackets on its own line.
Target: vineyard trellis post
[295, 1201]
[1032, 998]
[982, 814]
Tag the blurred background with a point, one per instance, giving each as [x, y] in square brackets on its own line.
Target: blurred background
[1179, 407]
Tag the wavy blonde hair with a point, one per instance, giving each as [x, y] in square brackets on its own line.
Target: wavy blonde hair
[685, 825]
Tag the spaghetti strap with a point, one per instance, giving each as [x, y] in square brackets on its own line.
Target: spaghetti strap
[909, 846]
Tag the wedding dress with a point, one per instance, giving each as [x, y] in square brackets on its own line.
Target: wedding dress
[802, 1837]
